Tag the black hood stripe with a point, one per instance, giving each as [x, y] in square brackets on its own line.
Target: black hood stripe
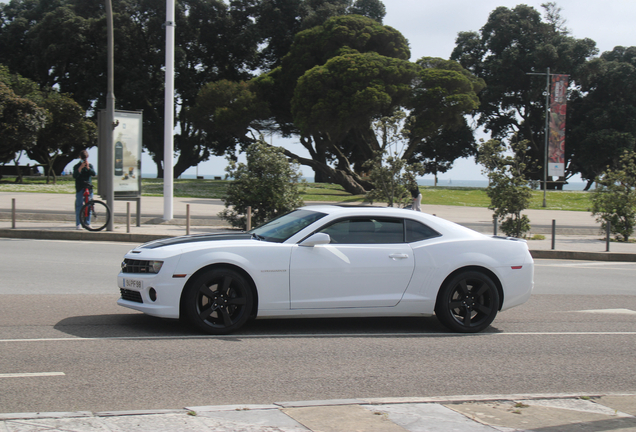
[196, 238]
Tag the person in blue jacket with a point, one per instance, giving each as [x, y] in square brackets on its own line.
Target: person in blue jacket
[82, 173]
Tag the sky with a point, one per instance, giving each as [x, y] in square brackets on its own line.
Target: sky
[431, 28]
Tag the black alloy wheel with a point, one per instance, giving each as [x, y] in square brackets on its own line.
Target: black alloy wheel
[219, 301]
[468, 303]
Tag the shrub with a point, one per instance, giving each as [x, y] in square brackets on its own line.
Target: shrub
[268, 183]
[614, 200]
[508, 188]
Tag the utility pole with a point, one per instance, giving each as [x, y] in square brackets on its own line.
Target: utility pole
[547, 131]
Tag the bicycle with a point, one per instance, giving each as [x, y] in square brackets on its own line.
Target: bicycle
[94, 214]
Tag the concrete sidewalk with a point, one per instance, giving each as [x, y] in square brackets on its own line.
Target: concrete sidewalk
[509, 413]
[51, 216]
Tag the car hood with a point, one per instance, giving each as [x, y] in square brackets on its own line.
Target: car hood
[197, 238]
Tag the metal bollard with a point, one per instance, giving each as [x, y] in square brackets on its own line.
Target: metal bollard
[249, 218]
[12, 212]
[187, 219]
[494, 225]
[608, 228]
[553, 233]
[128, 217]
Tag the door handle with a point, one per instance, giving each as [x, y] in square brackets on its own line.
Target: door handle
[398, 256]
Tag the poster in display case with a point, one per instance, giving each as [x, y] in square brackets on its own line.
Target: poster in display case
[127, 137]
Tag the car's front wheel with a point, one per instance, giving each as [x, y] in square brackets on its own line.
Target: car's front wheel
[468, 302]
[218, 301]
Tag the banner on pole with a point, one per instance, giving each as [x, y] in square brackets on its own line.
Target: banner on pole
[556, 144]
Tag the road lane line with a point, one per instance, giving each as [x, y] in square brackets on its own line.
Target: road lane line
[320, 335]
[32, 374]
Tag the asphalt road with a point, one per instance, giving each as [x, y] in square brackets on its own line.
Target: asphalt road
[66, 346]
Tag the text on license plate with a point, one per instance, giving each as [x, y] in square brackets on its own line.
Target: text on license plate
[133, 283]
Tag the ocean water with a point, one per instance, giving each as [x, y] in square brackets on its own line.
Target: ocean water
[572, 186]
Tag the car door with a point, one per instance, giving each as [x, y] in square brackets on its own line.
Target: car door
[367, 264]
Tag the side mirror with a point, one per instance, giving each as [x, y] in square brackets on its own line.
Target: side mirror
[316, 239]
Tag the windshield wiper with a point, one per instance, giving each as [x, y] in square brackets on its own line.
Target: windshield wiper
[257, 237]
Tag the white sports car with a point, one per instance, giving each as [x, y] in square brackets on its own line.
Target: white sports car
[330, 261]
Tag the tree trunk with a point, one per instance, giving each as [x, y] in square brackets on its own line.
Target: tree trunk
[344, 179]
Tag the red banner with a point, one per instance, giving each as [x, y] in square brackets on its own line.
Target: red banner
[556, 143]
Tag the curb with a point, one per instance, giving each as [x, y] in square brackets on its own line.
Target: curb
[314, 403]
[586, 256]
[81, 235]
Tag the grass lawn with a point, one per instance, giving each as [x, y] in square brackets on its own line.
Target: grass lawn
[440, 195]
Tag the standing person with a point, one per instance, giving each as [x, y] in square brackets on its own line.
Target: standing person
[82, 173]
[417, 198]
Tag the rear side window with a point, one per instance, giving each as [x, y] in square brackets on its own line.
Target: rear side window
[360, 230]
[416, 231]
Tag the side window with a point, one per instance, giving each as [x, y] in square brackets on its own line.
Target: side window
[416, 231]
[366, 231]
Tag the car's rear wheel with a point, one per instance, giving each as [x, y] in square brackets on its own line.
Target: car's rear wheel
[468, 302]
[218, 301]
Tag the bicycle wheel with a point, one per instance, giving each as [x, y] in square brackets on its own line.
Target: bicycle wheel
[95, 212]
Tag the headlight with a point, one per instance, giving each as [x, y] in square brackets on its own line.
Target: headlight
[154, 266]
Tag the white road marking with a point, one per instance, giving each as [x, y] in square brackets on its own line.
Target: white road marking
[606, 264]
[33, 374]
[320, 335]
[609, 311]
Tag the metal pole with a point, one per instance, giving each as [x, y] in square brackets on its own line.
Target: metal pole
[249, 218]
[128, 217]
[168, 144]
[12, 212]
[494, 225]
[547, 132]
[187, 219]
[553, 233]
[109, 164]
[608, 228]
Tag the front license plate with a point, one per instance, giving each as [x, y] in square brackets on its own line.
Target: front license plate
[133, 283]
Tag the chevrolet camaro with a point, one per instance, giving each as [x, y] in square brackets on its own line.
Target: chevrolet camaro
[330, 261]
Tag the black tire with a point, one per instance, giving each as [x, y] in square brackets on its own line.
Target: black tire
[468, 303]
[218, 301]
[99, 215]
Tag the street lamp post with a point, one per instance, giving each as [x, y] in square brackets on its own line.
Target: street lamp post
[547, 131]
[168, 143]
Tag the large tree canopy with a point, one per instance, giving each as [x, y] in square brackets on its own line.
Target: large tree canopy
[62, 44]
[20, 121]
[602, 121]
[341, 77]
[64, 129]
[513, 43]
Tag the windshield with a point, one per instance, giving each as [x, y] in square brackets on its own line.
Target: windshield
[283, 227]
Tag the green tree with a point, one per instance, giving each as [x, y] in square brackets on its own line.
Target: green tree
[342, 76]
[437, 129]
[268, 183]
[513, 43]
[226, 113]
[391, 177]
[63, 44]
[614, 200]
[20, 121]
[602, 113]
[65, 133]
[508, 188]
